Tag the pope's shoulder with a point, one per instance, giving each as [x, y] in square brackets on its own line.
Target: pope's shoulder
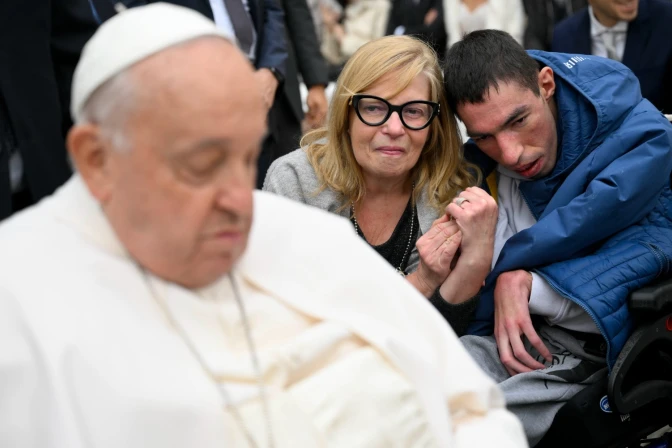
[275, 211]
[26, 229]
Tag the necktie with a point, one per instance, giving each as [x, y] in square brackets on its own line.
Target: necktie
[242, 24]
[609, 38]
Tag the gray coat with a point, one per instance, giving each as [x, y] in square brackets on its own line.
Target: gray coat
[293, 176]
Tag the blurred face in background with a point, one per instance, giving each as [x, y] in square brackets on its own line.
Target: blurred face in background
[609, 12]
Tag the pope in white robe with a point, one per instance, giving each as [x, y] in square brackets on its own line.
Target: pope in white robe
[121, 322]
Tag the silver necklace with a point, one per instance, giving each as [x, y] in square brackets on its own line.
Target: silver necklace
[400, 271]
[220, 387]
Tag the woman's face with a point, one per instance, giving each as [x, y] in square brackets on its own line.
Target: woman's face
[390, 150]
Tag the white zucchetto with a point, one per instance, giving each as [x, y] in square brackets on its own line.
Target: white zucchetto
[128, 38]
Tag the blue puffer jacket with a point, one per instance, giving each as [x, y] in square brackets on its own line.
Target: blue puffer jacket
[604, 215]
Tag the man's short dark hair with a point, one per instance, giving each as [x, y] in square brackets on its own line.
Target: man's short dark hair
[483, 59]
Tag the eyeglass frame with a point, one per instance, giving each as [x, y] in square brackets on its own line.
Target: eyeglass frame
[391, 108]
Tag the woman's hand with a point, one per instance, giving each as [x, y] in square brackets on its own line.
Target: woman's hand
[475, 213]
[436, 250]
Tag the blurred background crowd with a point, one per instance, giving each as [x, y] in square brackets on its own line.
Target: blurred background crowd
[298, 48]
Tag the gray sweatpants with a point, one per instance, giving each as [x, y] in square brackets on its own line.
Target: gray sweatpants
[535, 397]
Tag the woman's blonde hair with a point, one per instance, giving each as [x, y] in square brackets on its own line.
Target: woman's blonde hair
[440, 168]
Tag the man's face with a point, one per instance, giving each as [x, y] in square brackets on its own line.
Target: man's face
[515, 127]
[180, 198]
[608, 12]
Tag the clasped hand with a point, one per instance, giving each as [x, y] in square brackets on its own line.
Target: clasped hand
[461, 240]
[475, 213]
[437, 249]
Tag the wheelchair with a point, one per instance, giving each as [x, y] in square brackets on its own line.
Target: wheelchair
[636, 399]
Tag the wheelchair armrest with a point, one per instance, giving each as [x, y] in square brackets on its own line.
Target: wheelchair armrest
[656, 298]
[643, 371]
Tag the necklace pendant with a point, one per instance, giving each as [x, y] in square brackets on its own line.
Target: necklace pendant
[401, 272]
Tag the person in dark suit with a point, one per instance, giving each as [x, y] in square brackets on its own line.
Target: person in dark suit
[637, 33]
[40, 44]
[420, 18]
[287, 115]
[542, 16]
[266, 48]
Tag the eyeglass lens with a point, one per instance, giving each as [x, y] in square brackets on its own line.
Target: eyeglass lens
[373, 112]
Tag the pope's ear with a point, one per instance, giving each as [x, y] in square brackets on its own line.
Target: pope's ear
[90, 155]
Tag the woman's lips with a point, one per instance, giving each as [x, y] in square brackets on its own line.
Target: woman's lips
[391, 150]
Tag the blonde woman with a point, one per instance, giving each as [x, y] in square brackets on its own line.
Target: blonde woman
[390, 161]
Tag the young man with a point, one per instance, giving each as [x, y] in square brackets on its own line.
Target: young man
[585, 213]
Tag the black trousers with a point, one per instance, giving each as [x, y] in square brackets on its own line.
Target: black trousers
[283, 137]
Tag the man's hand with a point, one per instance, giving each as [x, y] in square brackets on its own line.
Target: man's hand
[317, 107]
[268, 85]
[431, 16]
[436, 249]
[512, 319]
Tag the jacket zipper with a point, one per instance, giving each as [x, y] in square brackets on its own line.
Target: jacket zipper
[664, 267]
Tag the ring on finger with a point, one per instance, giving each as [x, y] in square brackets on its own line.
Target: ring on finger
[460, 200]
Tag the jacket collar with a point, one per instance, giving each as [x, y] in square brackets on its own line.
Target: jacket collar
[639, 34]
[597, 29]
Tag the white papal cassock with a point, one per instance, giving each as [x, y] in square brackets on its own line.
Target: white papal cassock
[352, 355]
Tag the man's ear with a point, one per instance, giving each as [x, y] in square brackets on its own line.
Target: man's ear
[546, 83]
[91, 156]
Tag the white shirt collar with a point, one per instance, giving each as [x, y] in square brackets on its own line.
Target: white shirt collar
[597, 29]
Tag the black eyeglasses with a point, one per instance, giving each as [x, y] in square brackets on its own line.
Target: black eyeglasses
[374, 111]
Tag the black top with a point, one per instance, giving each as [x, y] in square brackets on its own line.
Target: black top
[394, 250]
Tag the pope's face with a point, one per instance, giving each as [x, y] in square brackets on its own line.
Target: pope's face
[181, 195]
